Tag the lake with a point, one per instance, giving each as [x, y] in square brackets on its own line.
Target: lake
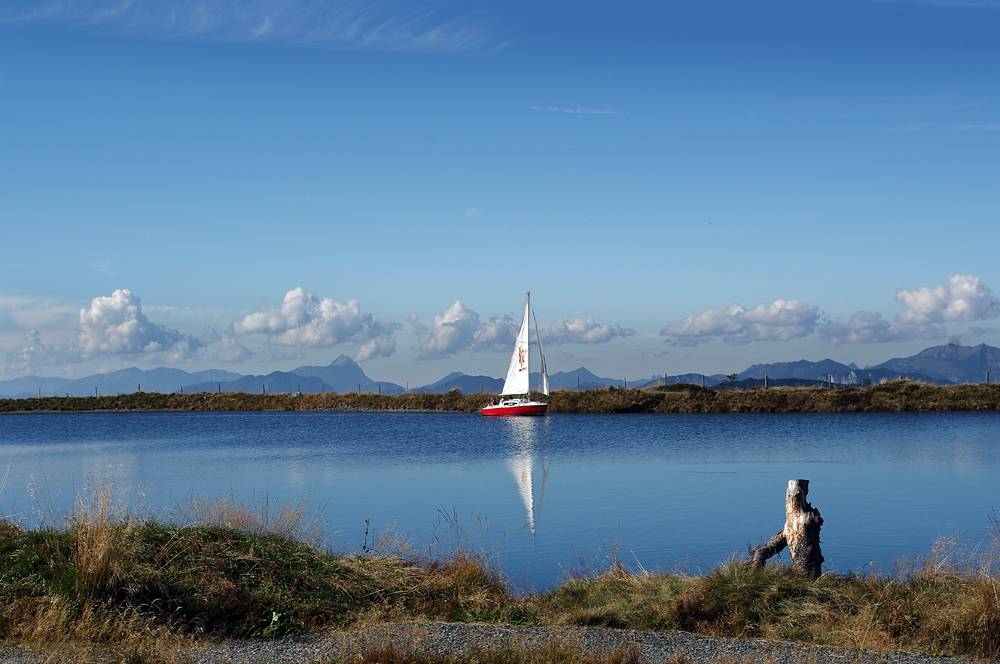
[559, 493]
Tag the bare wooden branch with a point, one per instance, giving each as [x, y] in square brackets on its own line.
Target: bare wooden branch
[800, 534]
[760, 554]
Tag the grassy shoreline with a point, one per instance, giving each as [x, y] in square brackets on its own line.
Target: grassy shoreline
[108, 576]
[894, 396]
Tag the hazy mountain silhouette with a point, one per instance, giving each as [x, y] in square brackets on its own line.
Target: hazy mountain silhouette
[276, 382]
[567, 380]
[344, 375]
[688, 378]
[465, 384]
[124, 381]
[950, 363]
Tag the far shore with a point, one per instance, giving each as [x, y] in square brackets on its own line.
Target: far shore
[894, 396]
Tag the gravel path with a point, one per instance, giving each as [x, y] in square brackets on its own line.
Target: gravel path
[453, 638]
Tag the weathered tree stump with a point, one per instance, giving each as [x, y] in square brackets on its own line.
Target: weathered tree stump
[800, 534]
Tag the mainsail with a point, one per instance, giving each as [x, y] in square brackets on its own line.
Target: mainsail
[519, 372]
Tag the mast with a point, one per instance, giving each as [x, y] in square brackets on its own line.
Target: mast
[527, 363]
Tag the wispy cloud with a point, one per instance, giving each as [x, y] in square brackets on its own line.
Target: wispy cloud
[581, 111]
[104, 267]
[386, 26]
[979, 127]
[866, 327]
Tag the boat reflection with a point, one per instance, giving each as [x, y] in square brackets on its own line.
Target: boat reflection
[525, 435]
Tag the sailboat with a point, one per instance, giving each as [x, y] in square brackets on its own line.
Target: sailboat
[518, 375]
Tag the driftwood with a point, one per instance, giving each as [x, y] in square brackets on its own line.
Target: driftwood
[800, 534]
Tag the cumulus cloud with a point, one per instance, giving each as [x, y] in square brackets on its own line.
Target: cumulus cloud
[582, 331]
[305, 321]
[115, 325]
[32, 355]
[866, 327]
[351, 25]
[460, 328]
[962, 300]
[374, 349]
[781, 320]
[112, 326]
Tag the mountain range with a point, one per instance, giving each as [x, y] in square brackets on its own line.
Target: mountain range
[948, 364]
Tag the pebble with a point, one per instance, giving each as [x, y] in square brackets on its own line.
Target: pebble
[451, 638]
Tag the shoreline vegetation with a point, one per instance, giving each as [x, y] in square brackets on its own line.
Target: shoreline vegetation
[109, 577]
[893, 396]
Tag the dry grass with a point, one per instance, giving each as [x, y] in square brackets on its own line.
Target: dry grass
[945, 602]
[111, 575]
[259, 517]
[892, 396]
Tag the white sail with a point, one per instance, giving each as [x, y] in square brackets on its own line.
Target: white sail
[543, 380]
[518, 373]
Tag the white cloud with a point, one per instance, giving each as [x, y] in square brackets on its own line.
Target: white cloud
[582, 331]
[25, 312]
[963, 299]
[866, 327]
[374, 349]
[460, 328]
[228, 350]
[115, 325]
[112, 326]
[576, 111]
[352, 25]
[305, 321]
[781, 320]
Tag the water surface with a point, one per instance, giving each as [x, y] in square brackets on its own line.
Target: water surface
[558, 492]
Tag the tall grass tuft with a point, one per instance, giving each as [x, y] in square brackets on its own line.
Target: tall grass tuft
[256, 516]
[103, 525]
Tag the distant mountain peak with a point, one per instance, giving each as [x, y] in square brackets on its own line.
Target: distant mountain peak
[343, 361]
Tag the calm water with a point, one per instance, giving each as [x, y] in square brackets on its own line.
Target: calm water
[561, 491]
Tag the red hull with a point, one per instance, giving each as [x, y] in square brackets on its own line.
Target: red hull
[500, 411]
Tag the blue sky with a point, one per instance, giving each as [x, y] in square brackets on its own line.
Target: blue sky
[683, 186]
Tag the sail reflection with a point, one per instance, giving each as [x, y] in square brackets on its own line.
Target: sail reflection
[524, 435]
